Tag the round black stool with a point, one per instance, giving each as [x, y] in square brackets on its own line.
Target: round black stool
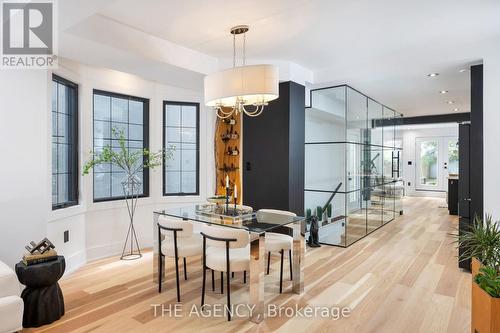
[43, 298]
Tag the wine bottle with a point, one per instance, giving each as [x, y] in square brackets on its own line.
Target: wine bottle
[235, 151]
[229, 121]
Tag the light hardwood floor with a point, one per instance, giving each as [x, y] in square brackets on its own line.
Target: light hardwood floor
[401, 278]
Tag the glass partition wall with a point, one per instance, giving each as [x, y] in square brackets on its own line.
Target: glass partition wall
[350, 139]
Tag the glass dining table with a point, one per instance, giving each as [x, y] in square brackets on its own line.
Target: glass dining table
[257, 224]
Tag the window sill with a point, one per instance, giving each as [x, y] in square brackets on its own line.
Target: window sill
[62, 213]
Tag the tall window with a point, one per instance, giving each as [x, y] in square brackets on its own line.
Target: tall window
[116, 113]
[181, 130]
[64, 143]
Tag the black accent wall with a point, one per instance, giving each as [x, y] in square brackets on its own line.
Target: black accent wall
[476, 142]
[273, 153]
[464, 188]
[470, 185]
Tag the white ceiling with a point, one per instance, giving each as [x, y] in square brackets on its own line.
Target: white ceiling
[384, 48]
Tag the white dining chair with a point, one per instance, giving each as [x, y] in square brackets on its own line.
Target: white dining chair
[278, 242]
[179, 242]
[225, 250]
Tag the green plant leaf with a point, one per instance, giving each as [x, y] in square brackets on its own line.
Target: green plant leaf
[488, 279]
[130, 162]
[482, 241]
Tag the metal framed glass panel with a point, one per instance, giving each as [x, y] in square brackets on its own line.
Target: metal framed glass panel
[350, 139]
[116, 114]
[181, 131]
[64, 143]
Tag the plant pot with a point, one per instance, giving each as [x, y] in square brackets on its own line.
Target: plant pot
[485, 311]
[475, 266]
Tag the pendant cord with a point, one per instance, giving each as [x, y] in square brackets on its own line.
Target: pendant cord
[244, 47]
[234, 50]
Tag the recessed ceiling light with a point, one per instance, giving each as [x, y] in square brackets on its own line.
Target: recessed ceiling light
[463, 70]
[443, 92]
[456, 109]
[450, 102]
[433, 74]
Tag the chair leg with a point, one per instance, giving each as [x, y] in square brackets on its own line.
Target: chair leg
[177, 278]
[204, 265]
[232, 275]
[268, 262]
[222, 282]
[281, 272]
[228, 296]
[244, 276]
[290, 260]
[203, 286]
[213, 280]
[159, 272]
[185, 271]
[228, 270]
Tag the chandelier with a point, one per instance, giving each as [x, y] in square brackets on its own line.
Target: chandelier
[241, 89]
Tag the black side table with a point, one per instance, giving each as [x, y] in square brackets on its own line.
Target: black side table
[43, 298]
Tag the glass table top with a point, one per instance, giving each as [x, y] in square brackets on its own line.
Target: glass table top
[244, 219]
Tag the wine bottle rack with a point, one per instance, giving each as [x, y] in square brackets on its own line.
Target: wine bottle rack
[228, 155]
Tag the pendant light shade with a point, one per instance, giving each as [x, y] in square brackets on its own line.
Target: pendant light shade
[241, 89]
[252, 85]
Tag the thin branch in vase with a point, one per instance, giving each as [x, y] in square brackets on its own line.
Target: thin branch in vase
[131, 162]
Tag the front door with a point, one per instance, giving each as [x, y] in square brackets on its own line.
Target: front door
[436, 158]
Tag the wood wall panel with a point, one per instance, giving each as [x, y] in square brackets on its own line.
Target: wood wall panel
[223, 161]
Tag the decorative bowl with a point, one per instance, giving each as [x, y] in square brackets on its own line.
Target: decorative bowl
[219, 200]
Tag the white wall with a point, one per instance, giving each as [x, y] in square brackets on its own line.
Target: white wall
[96, 229]
[24, 167]
[491, 132]
[409, 136]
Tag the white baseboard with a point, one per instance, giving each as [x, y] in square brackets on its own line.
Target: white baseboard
[104, 251]
[75, 261]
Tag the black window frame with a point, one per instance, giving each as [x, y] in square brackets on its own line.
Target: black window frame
[164, 125]
[73, 190]
[145, 134]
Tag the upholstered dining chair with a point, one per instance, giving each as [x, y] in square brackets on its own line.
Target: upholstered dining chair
[278, 242]
[179, 242]
[225, 250]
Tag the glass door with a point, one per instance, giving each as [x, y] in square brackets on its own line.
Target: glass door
[451, 145]
[436, 158]
[428, 174]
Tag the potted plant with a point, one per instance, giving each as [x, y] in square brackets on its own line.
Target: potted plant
[131, 163]
[486, 301]
[308, 214]
[482, 246]
[481, 243]
[329, 212]
[319, 214]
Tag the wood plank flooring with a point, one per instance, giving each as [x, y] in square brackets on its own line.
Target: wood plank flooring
[401, 278]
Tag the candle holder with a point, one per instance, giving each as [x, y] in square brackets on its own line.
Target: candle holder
[235, 211]
[227, 200]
